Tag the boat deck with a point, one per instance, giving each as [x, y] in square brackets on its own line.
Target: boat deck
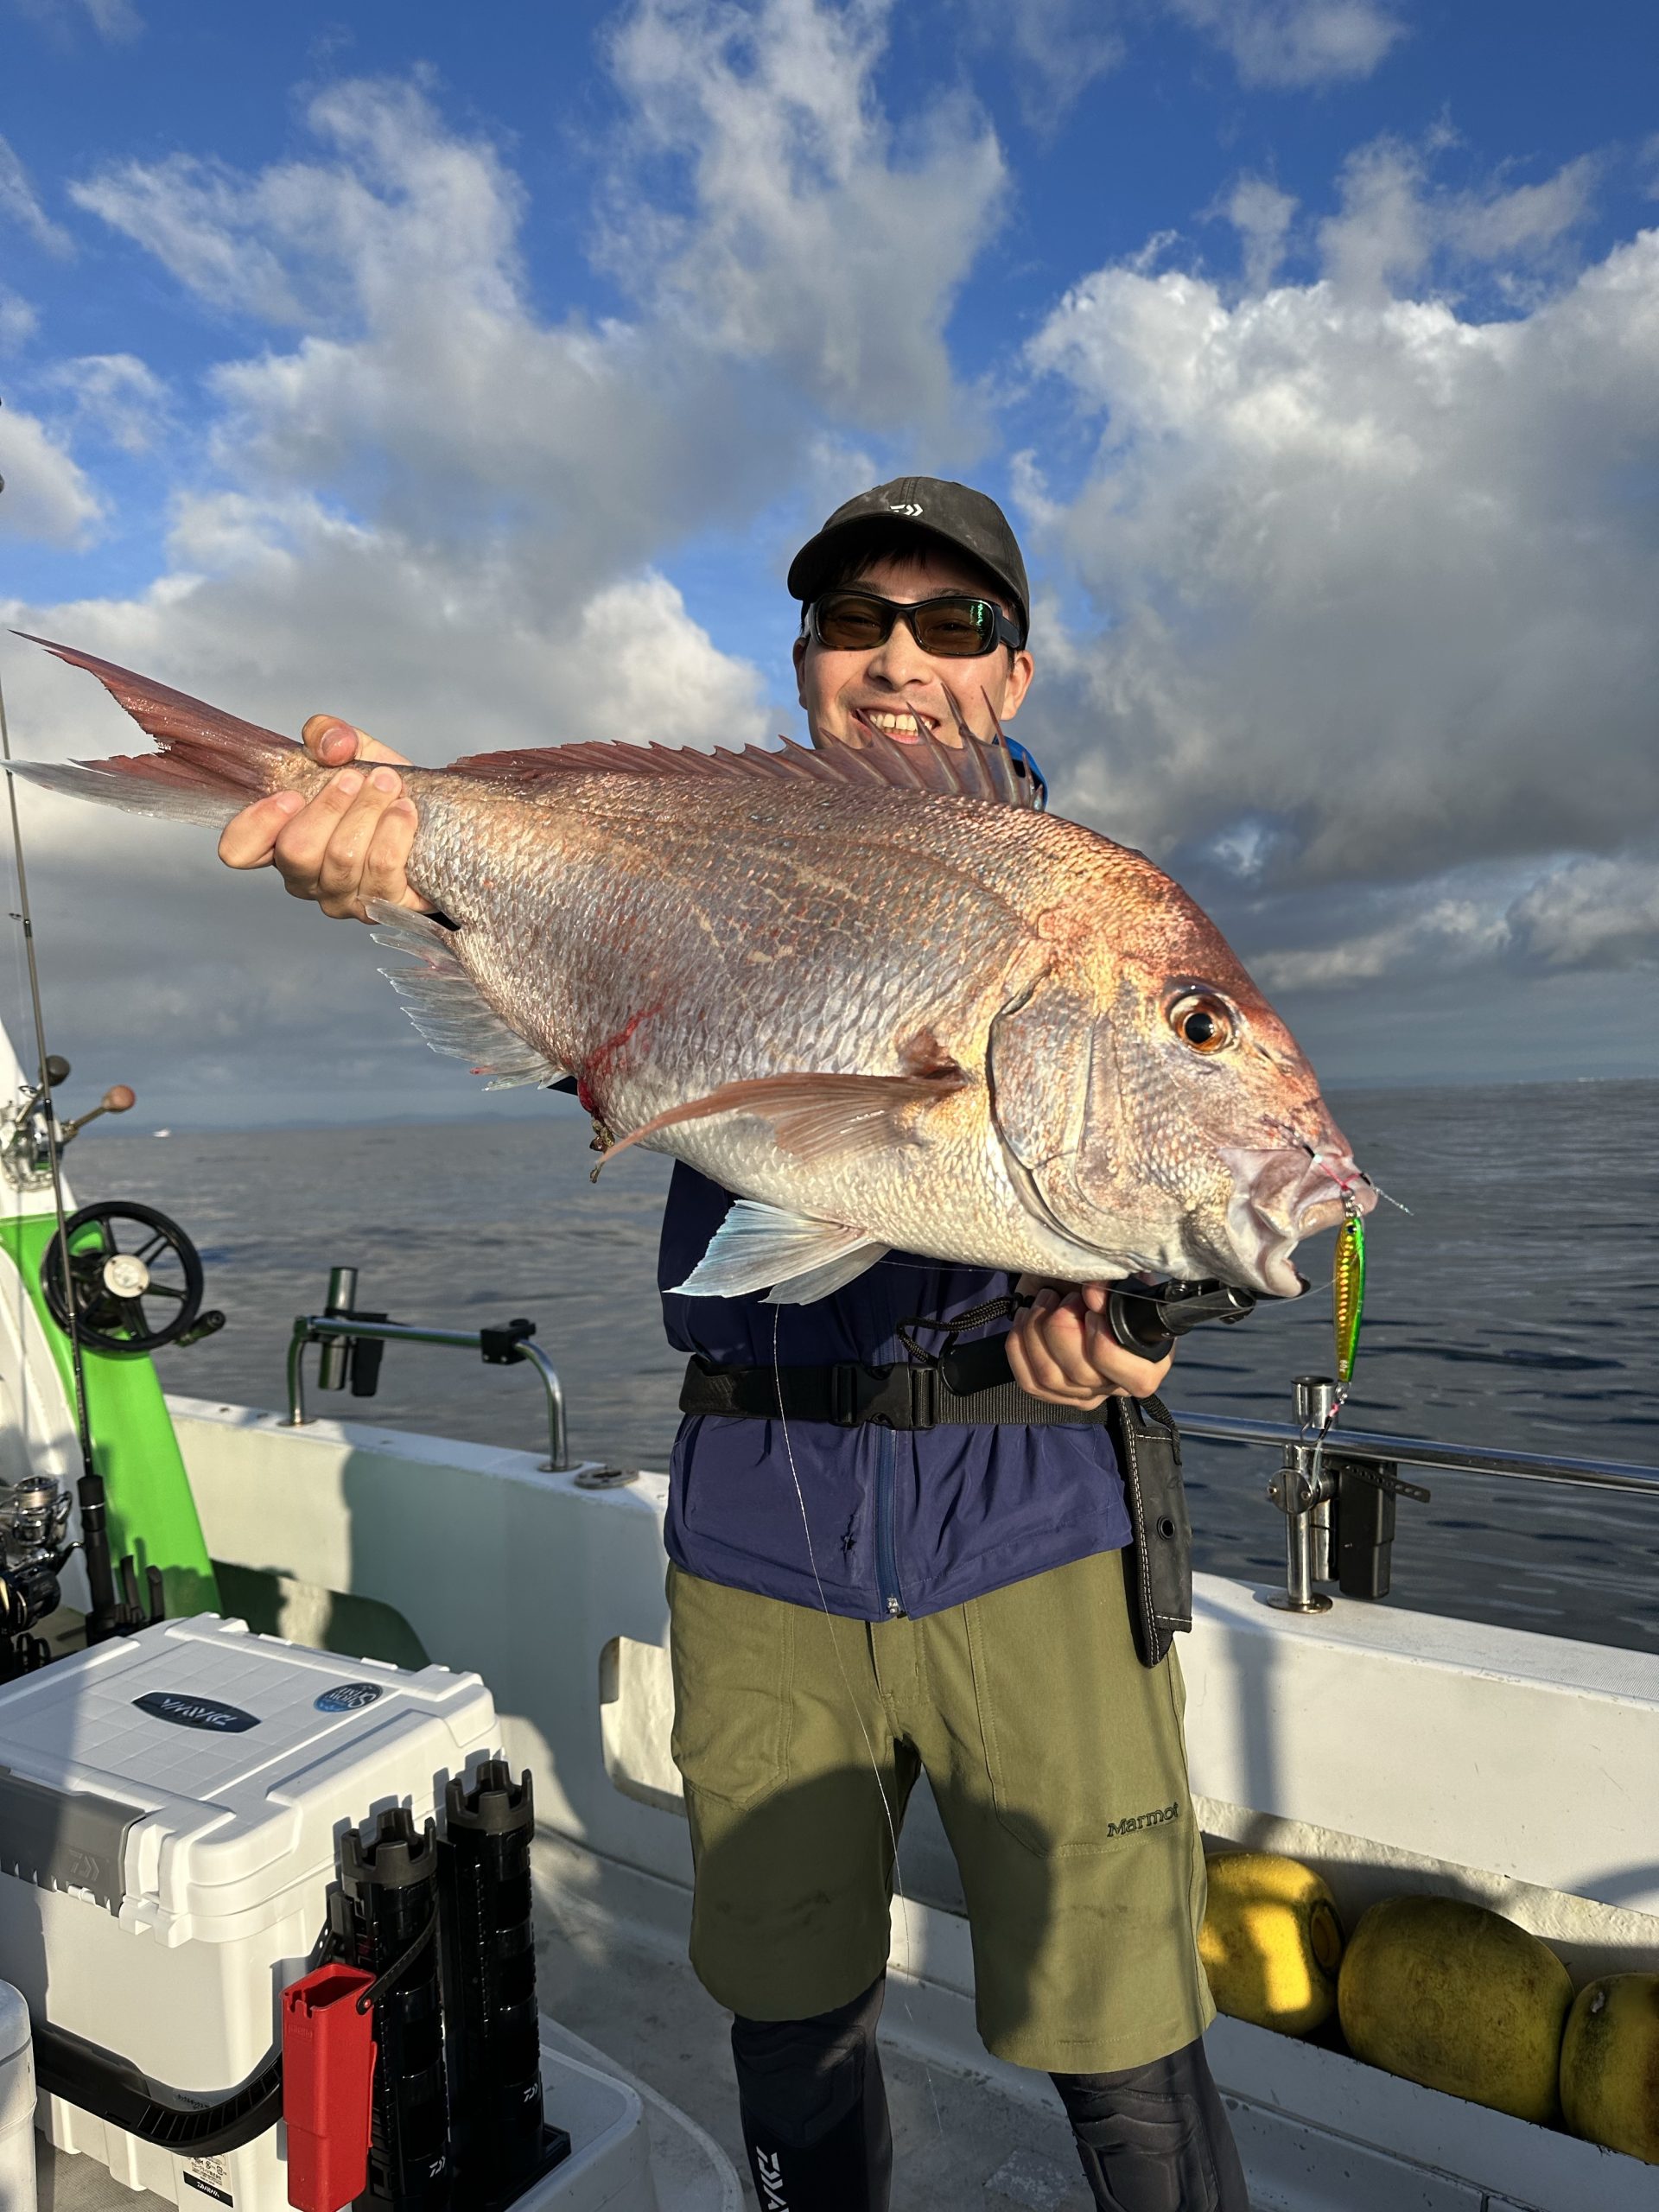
[960, 2141]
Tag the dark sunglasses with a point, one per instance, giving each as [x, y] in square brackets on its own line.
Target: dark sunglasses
[955, 627]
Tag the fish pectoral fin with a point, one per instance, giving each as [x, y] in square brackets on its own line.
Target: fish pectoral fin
[443, 1001]
[813, 1116]
[759, 1247]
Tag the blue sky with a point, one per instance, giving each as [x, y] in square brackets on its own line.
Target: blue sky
[476, 375]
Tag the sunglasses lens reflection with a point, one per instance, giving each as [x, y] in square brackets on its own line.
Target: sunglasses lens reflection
[958, 629]
[852, 625]
[948, 629]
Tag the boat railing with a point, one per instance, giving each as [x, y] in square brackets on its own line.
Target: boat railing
[351, 1344]
[1337, 1487]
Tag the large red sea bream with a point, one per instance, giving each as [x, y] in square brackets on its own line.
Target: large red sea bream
[870, 991]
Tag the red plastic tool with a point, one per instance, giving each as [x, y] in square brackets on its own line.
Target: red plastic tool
[327, 2078]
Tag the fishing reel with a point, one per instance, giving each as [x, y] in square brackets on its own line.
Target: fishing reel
[31, 1137]
[135, 1279]
[35, 1549]
[35, 1546]
[1147, 1321]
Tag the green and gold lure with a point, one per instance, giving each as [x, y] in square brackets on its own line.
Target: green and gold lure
[1348, 1284]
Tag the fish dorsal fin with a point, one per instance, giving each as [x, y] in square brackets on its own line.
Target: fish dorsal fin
[974, 769]
[442, 1001]
[239, 756]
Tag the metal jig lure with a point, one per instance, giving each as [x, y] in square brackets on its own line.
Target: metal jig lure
[1348, 1289]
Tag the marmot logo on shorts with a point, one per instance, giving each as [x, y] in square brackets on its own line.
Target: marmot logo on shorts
[1141, 1820]
[770, 2169]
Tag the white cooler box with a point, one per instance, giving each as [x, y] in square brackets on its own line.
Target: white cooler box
[169, 1808]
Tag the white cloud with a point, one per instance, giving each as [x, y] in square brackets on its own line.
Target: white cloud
[1503, 224]
[18, 322]
[428, 503]
[1058, 48]
[424, 374]
[115, 21]
[114, 394]
[48, 499]
[1393, 223]
[1590, 913]
[660, 674]
[280, 610]
[18, 200]
[1377, 579]
[200, 987]
[1261, 215]
[1581, 913]
[1296, 42]
[1448, 934]
[808, 244]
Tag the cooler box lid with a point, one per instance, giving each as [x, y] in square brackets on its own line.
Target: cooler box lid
[193, 1773]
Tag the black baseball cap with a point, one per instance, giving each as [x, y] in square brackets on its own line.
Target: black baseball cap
[962, 517]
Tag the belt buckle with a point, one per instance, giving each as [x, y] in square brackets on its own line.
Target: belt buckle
[923, 1396]
[884, 1397]
[853, 1388]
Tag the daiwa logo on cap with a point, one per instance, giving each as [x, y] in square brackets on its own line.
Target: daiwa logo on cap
[904, 506]
[347, 1697]
[196, 1712]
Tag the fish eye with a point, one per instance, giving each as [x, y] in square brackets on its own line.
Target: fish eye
[1206, 1022]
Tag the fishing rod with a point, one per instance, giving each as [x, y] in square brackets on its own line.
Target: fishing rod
[109, 1615]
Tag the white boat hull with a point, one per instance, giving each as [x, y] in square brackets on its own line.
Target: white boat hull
[1393, 1750]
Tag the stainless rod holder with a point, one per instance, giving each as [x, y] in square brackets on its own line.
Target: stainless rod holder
[1298, 1492]
[333, 1365]
[324, 1328]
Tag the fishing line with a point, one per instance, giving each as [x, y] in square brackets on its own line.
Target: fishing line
[852, 1699]
[94, 1541]
[14, 1027]
[26, 917]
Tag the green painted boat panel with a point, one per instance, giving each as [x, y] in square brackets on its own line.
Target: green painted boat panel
[152, 1512]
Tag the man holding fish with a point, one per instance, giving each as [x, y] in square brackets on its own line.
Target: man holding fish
[861, 1593]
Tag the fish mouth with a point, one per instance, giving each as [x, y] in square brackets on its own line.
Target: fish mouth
[1281, 1196]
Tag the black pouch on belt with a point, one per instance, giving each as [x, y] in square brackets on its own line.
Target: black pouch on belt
[1158, 1564]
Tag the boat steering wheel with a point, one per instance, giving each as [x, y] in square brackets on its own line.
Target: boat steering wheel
[122, 1255]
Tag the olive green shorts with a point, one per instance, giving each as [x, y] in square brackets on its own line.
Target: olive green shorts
[1059, 1768]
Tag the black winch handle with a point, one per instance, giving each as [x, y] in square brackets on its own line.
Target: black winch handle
[1147, 1321]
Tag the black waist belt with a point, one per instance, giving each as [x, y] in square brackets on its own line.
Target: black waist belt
[969, 1385]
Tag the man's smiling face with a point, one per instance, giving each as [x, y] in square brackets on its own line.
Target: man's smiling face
[890, 687]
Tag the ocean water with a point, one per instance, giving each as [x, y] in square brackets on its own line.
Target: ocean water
[1515, 1305]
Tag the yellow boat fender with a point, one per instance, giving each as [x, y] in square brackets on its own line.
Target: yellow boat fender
[1610, 2065]
[1271, 1942]
[1458, 1998]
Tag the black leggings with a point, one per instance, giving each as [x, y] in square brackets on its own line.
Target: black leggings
[815, 2109]
[1152, 2138]
[1155, 2138]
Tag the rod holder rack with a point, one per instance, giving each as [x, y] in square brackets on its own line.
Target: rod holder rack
[335, 1331]
[1314, 1474]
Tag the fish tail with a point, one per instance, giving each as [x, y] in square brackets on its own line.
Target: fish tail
[209, 765]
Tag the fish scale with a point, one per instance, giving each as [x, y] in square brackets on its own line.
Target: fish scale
[869, 990]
